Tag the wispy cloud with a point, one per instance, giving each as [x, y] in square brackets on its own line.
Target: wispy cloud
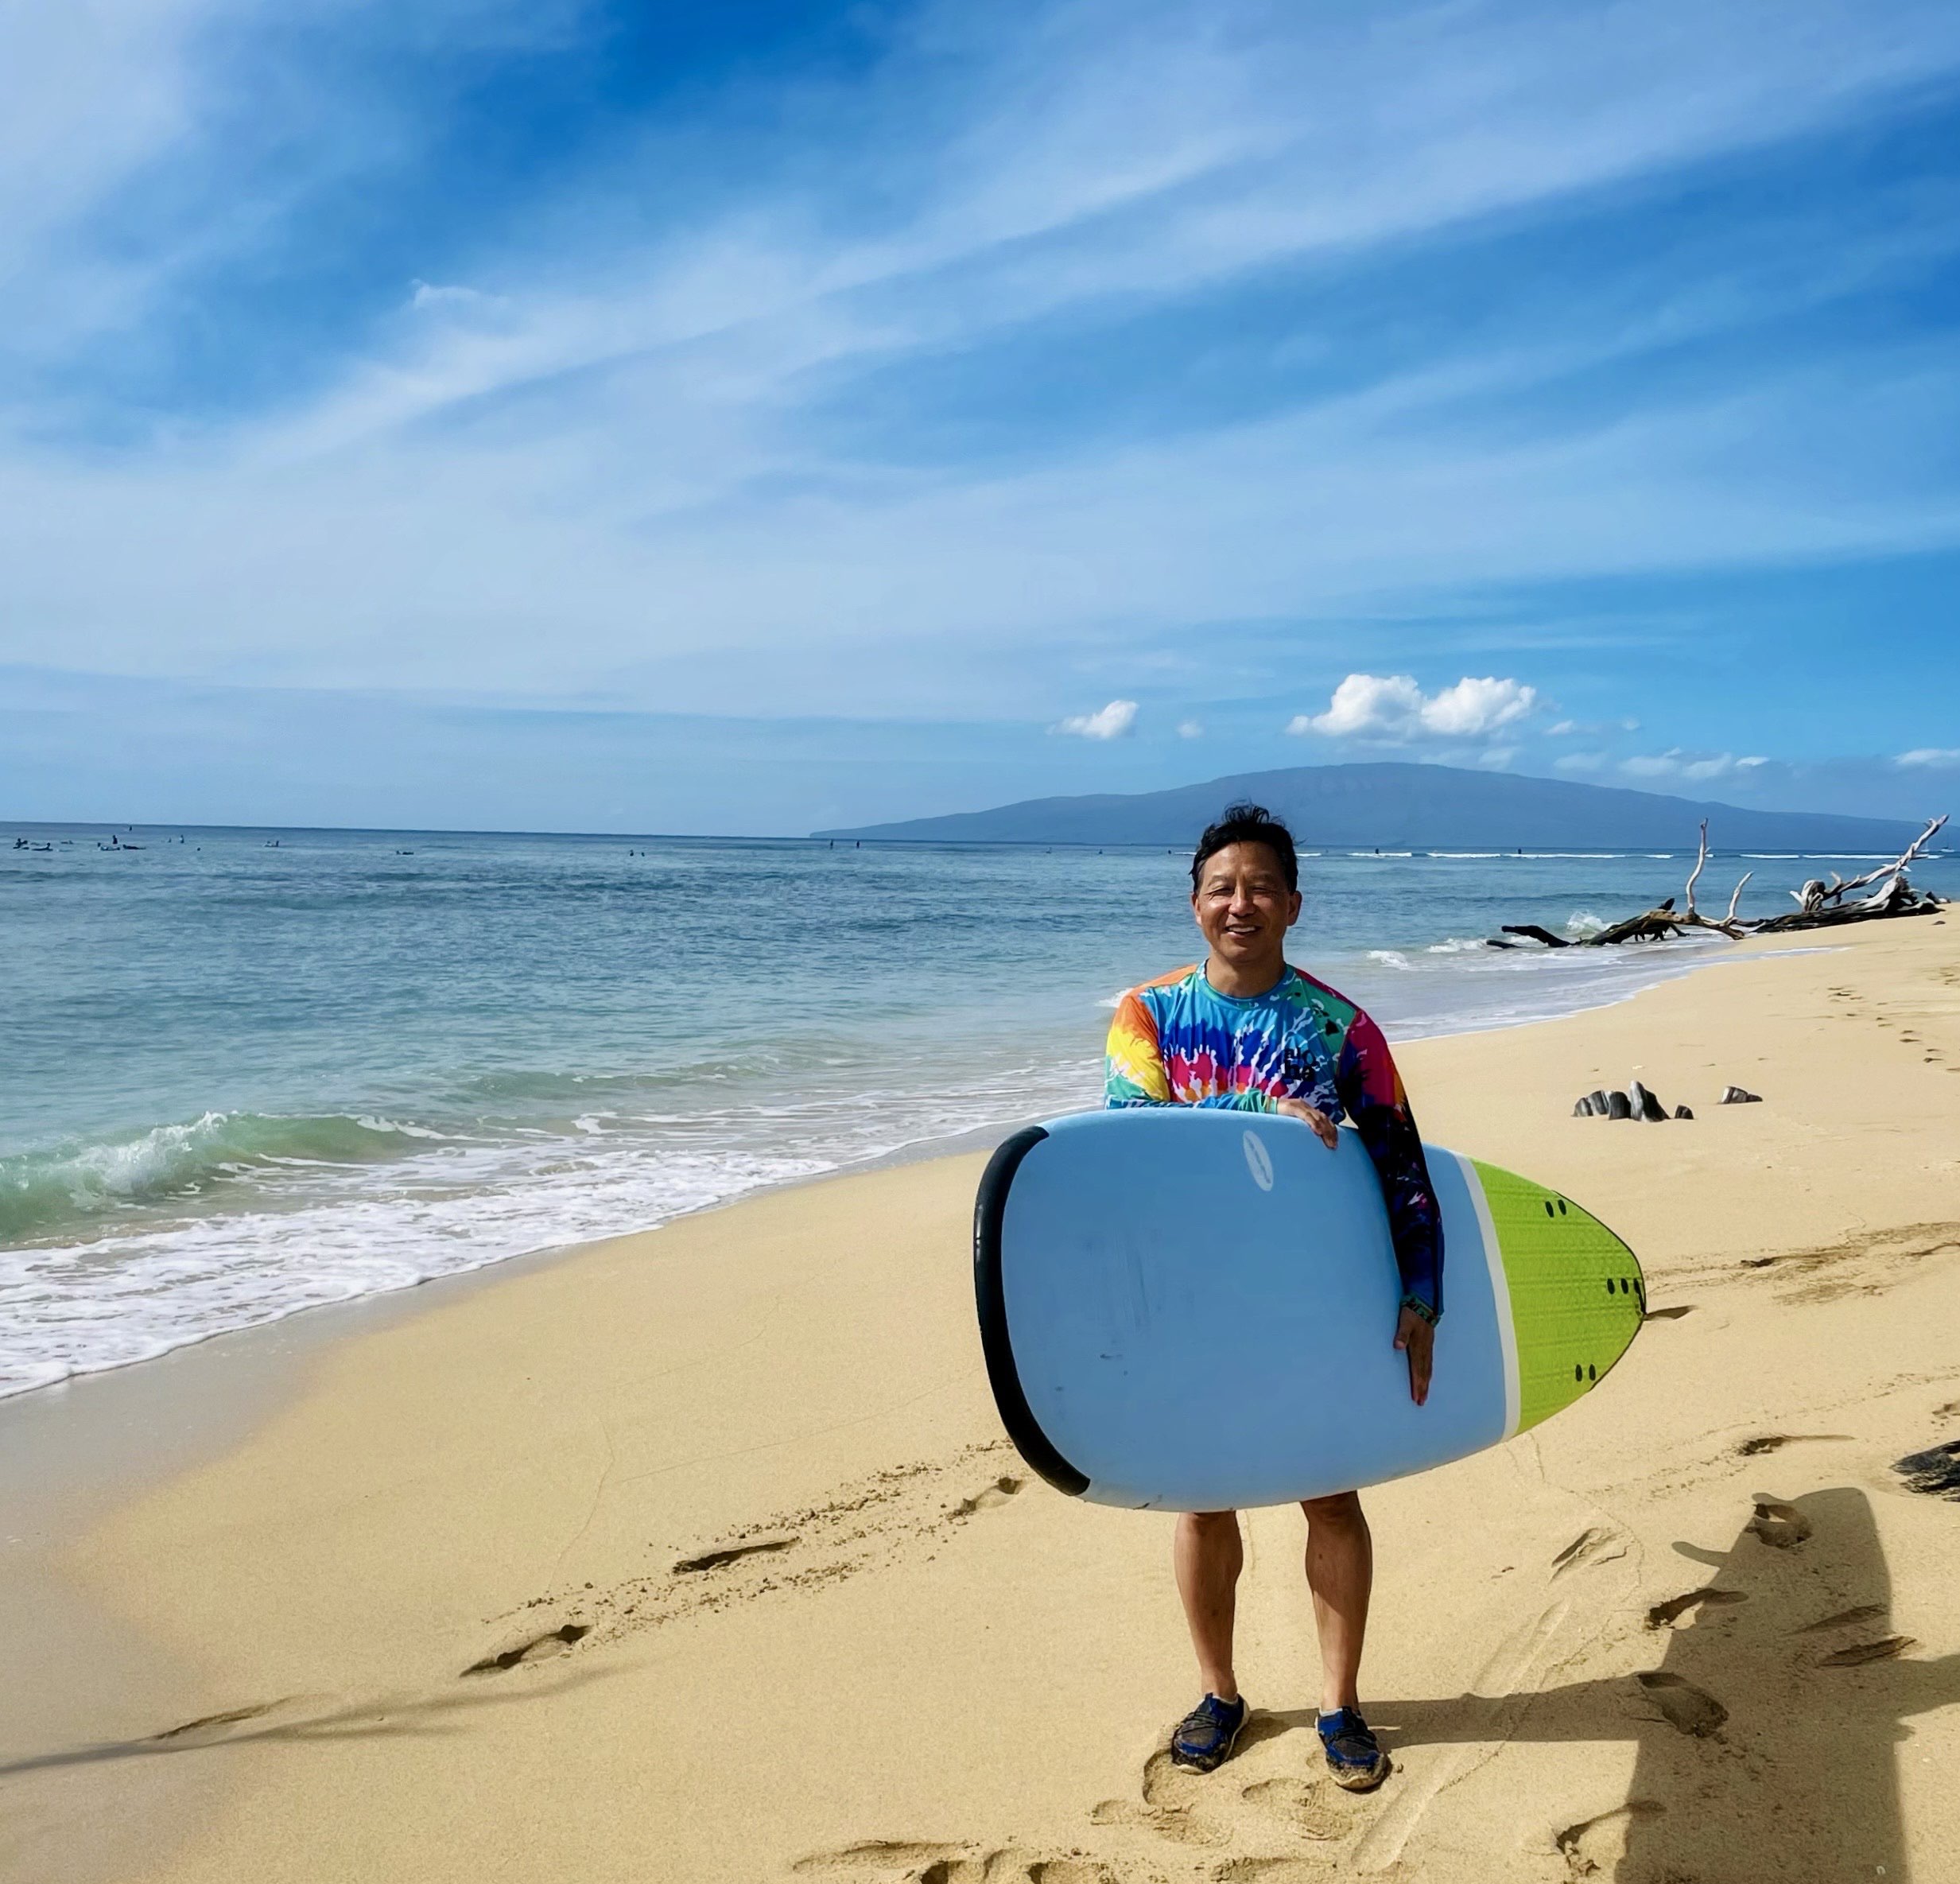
[1931, 758]
[1678, 764]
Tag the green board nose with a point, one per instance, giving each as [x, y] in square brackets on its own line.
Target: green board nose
[1577, 1292]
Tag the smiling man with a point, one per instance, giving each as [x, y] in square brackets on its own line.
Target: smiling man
[1244, 1030]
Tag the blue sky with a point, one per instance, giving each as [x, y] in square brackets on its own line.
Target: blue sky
[759, 417]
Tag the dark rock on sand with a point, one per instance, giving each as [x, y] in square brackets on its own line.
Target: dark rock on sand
[1582, 1108]
[1936, 1473]
[1644, 1104]
[1618, 1106]
[1682, 1111]
[1735, 1095]
[1599, 1103]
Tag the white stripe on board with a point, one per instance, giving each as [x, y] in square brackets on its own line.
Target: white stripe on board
[1499, 1289]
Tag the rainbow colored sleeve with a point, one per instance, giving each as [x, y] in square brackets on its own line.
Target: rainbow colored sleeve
[1133, 1064]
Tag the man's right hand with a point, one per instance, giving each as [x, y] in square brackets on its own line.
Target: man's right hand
[1324, 1127]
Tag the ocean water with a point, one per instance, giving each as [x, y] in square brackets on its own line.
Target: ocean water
[242, 1073]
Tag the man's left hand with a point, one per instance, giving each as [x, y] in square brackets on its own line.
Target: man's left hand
[1418, 1338]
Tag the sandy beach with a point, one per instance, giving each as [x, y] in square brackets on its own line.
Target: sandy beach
[699, 1554]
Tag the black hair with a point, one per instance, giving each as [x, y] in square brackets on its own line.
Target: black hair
[1247, 823]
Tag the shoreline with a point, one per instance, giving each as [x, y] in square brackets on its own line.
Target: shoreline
[832, 1315]
[1675, 960]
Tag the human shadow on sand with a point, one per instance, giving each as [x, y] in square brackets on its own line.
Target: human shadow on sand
[1771, 1729]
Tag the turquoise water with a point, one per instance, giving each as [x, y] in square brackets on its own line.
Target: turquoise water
[251, 1071]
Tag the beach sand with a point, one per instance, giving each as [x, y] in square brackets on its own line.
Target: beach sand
[426, 1618]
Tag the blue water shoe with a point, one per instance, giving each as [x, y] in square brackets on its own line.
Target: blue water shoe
[1353, 1756]
[1205, 1737]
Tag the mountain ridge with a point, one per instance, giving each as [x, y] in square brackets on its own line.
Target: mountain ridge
[1395, 803]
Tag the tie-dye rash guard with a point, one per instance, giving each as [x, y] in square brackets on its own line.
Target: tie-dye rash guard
[1178, 1041]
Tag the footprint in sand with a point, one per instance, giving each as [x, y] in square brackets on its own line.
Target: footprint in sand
[1780, 1526]
[1172, 1823]
[997, 1494]
[1774, 1442]
[1172, 1793]
[1664, 1615]
[875, 1855]
[1865, 1612]
[539, 1647]
[917, 1862]
[1590, 1846]
[719, 1554]
[1304, 1806]
[1686, 1708]
[1169, 1792]
[205, 1722]
[1860, 1654]
[1585, 1548]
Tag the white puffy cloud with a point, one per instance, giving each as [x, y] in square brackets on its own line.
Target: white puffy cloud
[1107, 723]
[1472, 708]
[1380, 706]
[1190, 729]
[1932, 758]
[1391, 706]
[1675, 763]
[1579, 762]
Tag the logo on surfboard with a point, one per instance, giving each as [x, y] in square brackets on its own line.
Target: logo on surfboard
[1259, 1161]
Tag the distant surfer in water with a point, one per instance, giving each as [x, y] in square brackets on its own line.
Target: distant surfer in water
[1244, 1030]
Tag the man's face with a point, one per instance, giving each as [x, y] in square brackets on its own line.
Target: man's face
[1243, 907]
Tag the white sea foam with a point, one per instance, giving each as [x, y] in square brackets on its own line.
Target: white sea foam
[328, 1236]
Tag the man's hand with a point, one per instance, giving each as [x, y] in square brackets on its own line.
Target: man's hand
[1418, 1337]
[1311, 1114]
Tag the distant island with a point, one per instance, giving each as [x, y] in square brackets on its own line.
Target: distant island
[1404, 807]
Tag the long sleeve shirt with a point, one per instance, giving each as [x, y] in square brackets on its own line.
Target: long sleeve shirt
[1178, 1041]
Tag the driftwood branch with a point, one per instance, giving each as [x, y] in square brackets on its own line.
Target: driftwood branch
[1911, 854]
[1537, 934]
[1701, 857]
[1819, 905]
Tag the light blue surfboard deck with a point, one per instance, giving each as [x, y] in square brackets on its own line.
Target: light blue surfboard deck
[1185, 1309]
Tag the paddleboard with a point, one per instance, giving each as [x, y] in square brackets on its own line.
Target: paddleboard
[1191, 1309]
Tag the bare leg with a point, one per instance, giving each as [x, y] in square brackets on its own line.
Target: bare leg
[1209, 1554]
[1340, 1572]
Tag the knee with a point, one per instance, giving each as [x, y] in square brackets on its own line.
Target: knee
[1212, 1524]
[1342, 1509]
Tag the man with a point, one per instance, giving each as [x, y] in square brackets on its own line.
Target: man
[1244, 1030]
